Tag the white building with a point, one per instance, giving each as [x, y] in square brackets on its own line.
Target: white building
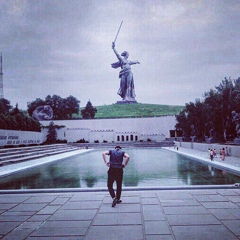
[115, 130]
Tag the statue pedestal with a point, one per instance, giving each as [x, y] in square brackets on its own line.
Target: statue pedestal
[126, 102]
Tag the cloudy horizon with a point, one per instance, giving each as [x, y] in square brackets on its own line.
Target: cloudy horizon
[63, 47]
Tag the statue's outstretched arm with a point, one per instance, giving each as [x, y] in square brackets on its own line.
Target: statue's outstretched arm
[134, 62]
[115, 51]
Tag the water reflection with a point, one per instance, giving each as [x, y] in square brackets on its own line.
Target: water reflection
[90, 180]
[39, 178]
[147, 167]
[131, 175]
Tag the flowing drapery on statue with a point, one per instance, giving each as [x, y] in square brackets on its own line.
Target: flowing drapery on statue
[126, 90]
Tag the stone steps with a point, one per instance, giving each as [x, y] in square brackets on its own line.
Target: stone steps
[26, 154]
[7, 151]
[22, 151]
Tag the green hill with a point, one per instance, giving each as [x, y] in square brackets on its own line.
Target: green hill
[135, 110]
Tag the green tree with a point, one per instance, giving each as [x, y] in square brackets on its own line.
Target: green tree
[35, 125]
[63, 108]
[5, 106]
[212, 117]
[4, 123]
[182, 123]
[51, 133]
[16, 119]
[22, 122]
[191, 120]
[72, 106]
[11, 123]
[221, 102]
[15, 110]
[236, 95]
[14, 123]
[56, 102]
[89, 111]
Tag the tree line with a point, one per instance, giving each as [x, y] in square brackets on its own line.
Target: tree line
[15, 119]
[212, 116]
[63, 108]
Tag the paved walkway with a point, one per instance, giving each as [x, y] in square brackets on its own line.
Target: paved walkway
[230, 163]
[164, 214]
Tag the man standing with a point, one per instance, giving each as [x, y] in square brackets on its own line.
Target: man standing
[115, 172]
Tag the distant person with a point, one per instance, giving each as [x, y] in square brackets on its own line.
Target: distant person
[214, 152]
[209, 150]
[115, 172]
[223, 154]
[211, 155]
[220, 153]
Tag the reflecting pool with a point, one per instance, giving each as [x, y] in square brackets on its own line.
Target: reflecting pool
[147, 167]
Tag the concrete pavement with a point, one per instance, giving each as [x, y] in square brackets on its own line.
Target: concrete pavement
[160, 214]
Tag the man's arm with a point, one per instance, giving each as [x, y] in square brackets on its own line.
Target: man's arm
[127, 159]
[104, 154]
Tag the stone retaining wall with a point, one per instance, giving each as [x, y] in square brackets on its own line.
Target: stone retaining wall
[13, 137]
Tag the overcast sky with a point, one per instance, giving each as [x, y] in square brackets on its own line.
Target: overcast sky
[63, 47]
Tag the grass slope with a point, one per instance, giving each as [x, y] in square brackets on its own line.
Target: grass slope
[135, 110]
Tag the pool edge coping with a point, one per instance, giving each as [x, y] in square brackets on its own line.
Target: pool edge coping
[124, 189]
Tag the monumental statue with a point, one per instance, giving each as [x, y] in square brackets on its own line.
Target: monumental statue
[43, 113]
[126, 90]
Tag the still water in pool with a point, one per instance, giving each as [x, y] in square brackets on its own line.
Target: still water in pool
[147, 167]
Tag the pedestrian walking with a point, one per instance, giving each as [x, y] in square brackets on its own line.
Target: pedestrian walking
[211, 155]
[214, 152]
[223, 154]
[115, 171]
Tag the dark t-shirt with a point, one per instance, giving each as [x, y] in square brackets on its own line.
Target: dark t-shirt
[116, 158]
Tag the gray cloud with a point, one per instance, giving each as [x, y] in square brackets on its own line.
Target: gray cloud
[64, 47]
